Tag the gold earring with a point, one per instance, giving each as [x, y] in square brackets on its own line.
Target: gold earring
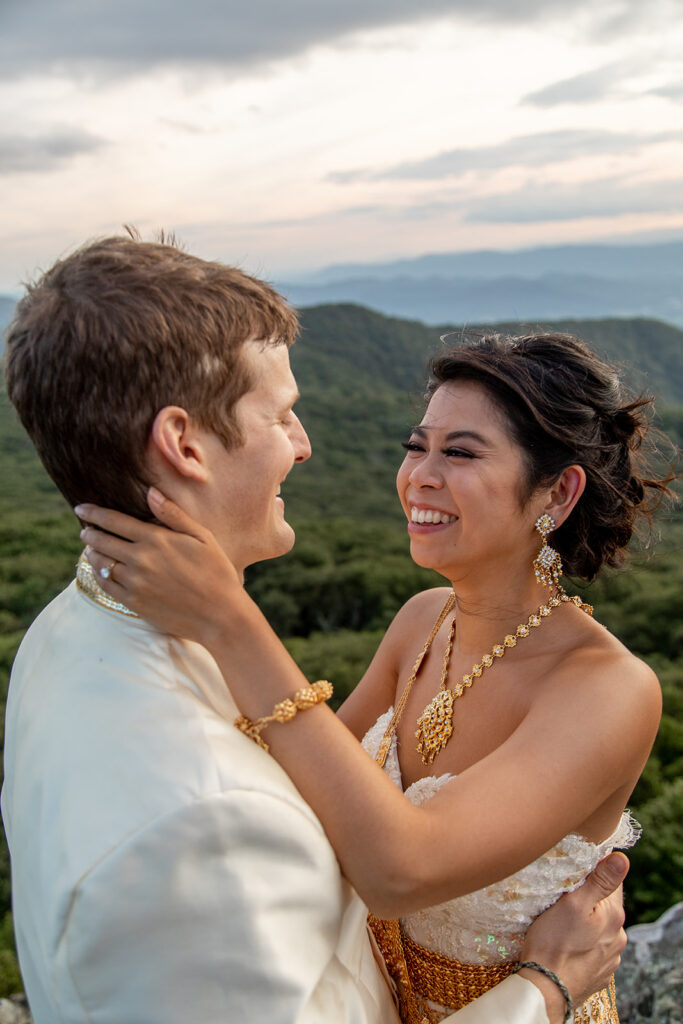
[547, 563]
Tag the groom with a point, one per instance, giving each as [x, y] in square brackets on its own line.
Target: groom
[164, 868]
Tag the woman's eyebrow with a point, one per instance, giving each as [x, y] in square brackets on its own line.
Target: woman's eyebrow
[453, 435]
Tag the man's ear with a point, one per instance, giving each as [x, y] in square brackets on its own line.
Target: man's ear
[176, 439]
[565, 493]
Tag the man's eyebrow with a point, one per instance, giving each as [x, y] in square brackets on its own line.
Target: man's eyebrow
[291, 400]
[453, 435]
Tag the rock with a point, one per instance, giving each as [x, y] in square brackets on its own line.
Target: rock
[14, 1010]
[650, 979]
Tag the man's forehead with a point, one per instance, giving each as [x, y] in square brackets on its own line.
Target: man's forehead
[262, 353]
[271, 371]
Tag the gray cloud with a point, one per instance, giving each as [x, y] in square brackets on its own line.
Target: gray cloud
[606, 197]
[521, 150]
[672, 91]
[37, 153]
[533, 203]
[120, 36]
[644, 20]
[584, 88]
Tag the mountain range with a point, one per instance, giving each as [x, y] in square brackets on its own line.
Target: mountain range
[530, 285]
[576, 281]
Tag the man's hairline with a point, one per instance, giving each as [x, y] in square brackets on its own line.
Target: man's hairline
[275, 341]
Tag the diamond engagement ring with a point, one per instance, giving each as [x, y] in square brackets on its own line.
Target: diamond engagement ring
[107, 570]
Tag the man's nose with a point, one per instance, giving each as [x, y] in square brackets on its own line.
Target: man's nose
[300, 442]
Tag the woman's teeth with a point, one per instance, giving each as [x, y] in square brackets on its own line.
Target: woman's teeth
[430, 515]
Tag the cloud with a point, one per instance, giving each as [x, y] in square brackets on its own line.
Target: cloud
[606, 197]
[672, 91]
[625, 17]
[38, 153]
[534, 150]
[586, 87]
[122, 36]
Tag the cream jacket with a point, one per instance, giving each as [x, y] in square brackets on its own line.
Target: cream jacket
[164, 868]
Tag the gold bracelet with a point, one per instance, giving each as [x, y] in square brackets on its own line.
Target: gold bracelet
[306, 697]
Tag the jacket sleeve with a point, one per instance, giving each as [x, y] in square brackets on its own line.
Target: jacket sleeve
[232, 909]
[225, 911]
[515, 1001]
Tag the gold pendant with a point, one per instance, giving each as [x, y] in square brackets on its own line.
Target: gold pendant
[435, 726]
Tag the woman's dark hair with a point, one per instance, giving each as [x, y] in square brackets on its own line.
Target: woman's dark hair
[564, 406]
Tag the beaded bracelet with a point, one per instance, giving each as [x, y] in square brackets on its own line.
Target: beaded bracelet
[532, 965]
[285, 710]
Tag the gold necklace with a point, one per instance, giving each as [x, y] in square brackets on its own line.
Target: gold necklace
[435, 724]
[385, 743]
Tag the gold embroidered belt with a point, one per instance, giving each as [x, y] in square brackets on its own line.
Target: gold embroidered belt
[423, 977]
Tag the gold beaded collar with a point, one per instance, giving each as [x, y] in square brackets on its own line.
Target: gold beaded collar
[435, 724]
[86, 581]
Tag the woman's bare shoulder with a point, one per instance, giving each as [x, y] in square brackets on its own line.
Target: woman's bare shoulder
[413, 622]
[405, 636]
[623, 675]
[423, 607]
[602, 656]
[600, 673]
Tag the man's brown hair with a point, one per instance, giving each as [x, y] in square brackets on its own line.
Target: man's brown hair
[113, 333]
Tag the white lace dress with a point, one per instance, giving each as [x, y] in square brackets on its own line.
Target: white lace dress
[488, 926]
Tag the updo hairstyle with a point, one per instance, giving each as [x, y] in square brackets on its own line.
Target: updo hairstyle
[564, 406]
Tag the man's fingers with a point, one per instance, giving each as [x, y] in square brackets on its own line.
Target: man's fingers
[172, 516]
[607, 877]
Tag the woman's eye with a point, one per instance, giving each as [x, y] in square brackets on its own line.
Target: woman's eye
[412, 446]
[459, 453]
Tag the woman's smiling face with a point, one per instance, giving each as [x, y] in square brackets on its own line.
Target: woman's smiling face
[460, 485]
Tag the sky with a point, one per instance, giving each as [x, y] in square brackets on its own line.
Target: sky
[285, 135]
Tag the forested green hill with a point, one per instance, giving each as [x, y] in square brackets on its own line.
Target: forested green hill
[338, 341]
[361, 376]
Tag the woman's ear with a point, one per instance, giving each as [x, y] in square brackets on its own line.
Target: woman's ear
[565, 493]
[177, 441]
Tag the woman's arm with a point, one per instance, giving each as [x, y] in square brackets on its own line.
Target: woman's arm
[496, 817]
[576, 747]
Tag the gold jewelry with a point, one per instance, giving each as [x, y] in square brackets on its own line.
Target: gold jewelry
[87, 583]
[423, 976]
[547, 563]
[107, 570]
[385, 744]
[285, 710]
[435, 724]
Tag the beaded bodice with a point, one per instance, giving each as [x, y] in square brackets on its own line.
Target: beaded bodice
[488, 926]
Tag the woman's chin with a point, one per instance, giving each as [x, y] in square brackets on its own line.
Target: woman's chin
[425, 559]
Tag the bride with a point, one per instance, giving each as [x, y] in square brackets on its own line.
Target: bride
[512, 721]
